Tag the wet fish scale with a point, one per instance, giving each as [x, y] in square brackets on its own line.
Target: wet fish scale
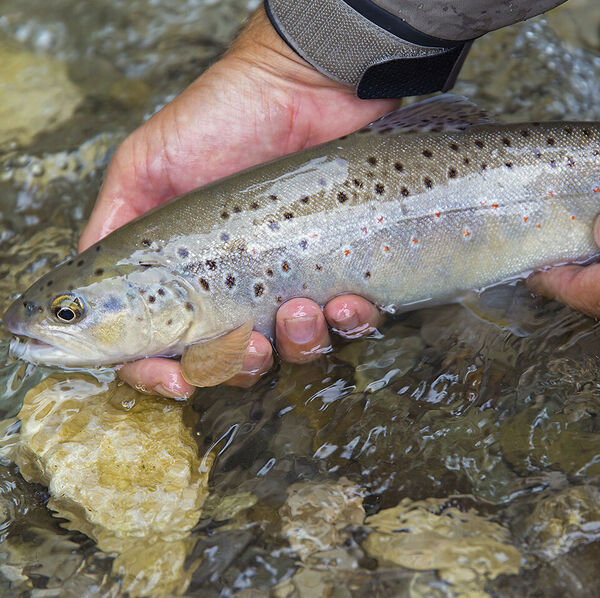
[398, 213]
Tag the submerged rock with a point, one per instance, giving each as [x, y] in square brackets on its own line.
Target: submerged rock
[563, 521]
[121, 467]
[315, 514]
[35, 94]
[466, 549]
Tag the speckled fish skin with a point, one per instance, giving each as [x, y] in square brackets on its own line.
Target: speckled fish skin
[397, 217]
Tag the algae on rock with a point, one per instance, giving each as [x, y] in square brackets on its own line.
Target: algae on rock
[121, 467]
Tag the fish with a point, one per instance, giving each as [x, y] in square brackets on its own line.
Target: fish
[423, 204]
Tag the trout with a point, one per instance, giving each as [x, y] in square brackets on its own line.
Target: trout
[420, 206]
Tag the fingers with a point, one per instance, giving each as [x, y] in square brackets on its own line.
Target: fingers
[258, 361]
[352, 316]
[577, 286]
[301, 331]
[156, 375]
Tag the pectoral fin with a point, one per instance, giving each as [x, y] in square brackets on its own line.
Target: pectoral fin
[211, 362]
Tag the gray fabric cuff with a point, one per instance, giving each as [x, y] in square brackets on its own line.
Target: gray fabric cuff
[346, 46]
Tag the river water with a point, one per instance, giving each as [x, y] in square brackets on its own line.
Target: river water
[450, 455]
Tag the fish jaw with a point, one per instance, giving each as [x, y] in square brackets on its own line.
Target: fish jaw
[40, 352]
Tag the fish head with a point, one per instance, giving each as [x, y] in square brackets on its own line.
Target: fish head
[91, 312]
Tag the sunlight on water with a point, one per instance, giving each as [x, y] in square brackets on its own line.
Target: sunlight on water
[449, 456]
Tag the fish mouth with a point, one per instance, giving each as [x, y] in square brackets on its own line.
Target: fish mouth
[37, 351]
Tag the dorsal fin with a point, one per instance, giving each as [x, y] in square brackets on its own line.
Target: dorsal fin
[441, 113]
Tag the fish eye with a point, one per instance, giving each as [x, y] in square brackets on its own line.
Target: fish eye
[67, 308]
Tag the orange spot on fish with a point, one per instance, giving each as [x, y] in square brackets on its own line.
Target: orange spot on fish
[346, 252]
[551, 193]
[539, 225]
[364, 229]
[467, 233]
[494, 205]
[525, 218]
[380, 219]
[386, 248]
[596, 189]
[572, 217]
[415, 241]
[313, 235]
[438, 214]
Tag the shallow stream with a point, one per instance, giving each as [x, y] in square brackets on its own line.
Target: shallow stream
[447, 456]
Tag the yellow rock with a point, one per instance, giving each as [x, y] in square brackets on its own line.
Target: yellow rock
[35, 94]
[466, 549]
[122, 468]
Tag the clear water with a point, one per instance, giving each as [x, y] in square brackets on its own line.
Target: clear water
[497, 421]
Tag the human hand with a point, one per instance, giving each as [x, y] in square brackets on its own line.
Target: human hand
[577, 286]
[259, 102]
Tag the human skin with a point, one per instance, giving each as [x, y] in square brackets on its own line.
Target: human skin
[259, 102]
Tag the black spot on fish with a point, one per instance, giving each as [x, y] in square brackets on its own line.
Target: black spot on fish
[305, 199]
[146, 242]
[479, 143]
[288, 215]
[273, 225]
[169, 322]
[506, 141]
[211, 264]
[399, 166]
[254, 206]
[237, 209]
[483, 166]
[550, 141]
[524, 132]
[269, 272]
[224, 215]
[259, 289]
[367, 274]
[98, 247]
[404, 192]
[552, 163]
[204, 284]
[285, 266]
[318, 267]
[372, 160]
[428, 182]
[570, 162]
[452, 173]
[230, 281]
[427, 153]
[303, 244]
[273, 197]
[224, 237]
[358, 183]
[342, 197]
[189, 306]
[568, 130]
[537, 153]
[587, 132]
[151, 298]
[508, 164]
[99, 272]
[161, 292]
[379, 189]
[466, 161]
[80, 263]
[49, 283]
[454, 147]
[278, 299]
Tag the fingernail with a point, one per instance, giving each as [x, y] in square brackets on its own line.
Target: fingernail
[170, 393]
[301, 330]
[347, 320]
[254, 362]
